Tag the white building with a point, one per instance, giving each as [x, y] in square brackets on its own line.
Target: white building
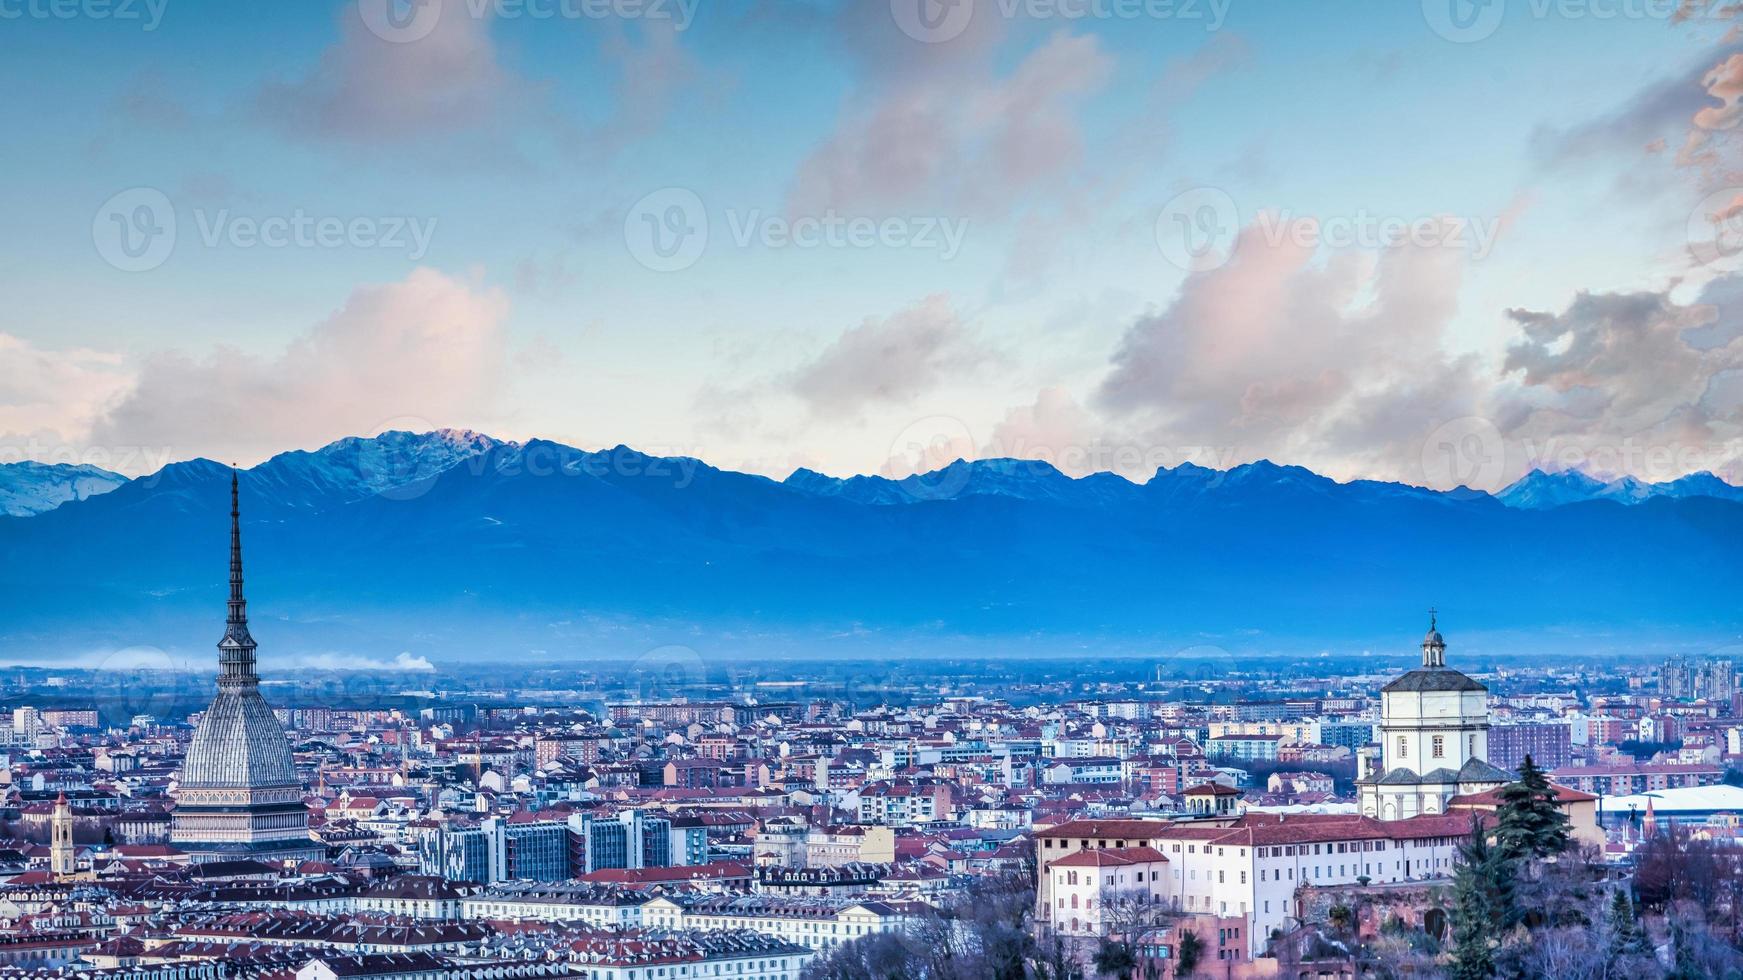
[1434, 740]
[1087, 884]
[1250, 866]
[819, 924]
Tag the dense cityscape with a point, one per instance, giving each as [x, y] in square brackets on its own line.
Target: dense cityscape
[1163, 819]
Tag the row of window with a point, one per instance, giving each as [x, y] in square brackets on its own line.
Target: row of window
[1436, 746]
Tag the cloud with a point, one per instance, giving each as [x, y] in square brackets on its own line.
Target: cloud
[1693, 110]
[1336, 364]
[652, 74]
[889, 361]
[958, 137]
[1631, 382]
[367, 89]
[49, 399]
[402, 662]
[428, 347]
[1058, 429]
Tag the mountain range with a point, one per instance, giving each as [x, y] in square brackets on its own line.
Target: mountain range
[452, 544]
[29, 488]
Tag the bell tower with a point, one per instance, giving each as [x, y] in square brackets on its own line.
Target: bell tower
[60, 849]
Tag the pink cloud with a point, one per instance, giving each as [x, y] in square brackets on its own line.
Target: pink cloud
[888, 361]
[961, 137]
[370, 89]
[428, 349]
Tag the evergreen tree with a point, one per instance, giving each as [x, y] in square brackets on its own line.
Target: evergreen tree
[1531, 824]
[1186, 957]
[1626, 936]
[1483, 905]
[1115, 960]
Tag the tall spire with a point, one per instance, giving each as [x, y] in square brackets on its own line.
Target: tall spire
[236, 649]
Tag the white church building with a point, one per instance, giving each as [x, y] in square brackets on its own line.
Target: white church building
[1433, 740]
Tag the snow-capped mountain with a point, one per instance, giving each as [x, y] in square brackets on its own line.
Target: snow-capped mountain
[457, 545]
[29, 488]
[1539, 490]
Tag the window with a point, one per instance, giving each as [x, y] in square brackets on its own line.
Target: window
[1403, 745]
[1439, 746]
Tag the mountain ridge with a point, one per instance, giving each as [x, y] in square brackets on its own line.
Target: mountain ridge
[466, 546]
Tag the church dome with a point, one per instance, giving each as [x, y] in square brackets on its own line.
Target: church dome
[1425, 679]
[239, 745]
[1434, 674]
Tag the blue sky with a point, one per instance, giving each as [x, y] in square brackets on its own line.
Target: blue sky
[1017, 286]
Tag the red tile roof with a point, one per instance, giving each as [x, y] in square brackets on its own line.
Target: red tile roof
[1109, 857]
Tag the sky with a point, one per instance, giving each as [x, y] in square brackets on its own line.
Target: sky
[1440, 242]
